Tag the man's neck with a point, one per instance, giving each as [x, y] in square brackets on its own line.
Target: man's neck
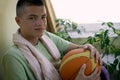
[33, 40]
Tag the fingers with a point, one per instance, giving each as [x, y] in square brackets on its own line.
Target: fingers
[97, 57]
[100, 60]
[98, 78]
[80, 75]
[94, 53]
[99, 72]
[91, 48]
[96, 74]
[82, 69]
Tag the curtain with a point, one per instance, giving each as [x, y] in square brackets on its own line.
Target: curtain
[50, 16]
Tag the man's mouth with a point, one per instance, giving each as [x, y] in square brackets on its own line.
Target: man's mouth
[39, 29]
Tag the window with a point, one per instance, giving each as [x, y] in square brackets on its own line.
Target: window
[87, 11]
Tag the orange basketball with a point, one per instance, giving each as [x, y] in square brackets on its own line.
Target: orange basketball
[72, 62]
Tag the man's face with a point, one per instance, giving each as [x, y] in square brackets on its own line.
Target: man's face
[32, 22]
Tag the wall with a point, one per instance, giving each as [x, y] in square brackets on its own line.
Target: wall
[7, 26]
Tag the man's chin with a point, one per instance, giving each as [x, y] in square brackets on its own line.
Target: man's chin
[40, 35]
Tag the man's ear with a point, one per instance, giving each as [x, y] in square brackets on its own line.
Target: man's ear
[17, 19]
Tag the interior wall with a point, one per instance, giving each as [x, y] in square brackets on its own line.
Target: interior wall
[7, 26]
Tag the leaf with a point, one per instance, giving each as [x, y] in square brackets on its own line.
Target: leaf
[110, 24]
[119, 66]
[105, 33]
[107, 51]
[117, 32]
[116, 62]
[103, 23]
[117, 52]
[91, 40]
[78, 31]
[110, 68]
[102, 44]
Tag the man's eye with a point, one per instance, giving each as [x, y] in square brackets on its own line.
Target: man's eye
[32, 18]
[43, 17]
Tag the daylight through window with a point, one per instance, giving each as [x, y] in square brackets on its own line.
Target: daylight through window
[87, 11]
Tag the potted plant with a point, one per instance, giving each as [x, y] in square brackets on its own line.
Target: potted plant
[64, 26]
[105, 44]
[101, 40]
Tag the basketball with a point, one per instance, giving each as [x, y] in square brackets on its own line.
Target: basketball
[72, 62]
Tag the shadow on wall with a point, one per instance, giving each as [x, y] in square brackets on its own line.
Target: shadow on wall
[7, 27]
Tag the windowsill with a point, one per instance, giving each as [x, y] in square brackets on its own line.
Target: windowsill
[90, 30]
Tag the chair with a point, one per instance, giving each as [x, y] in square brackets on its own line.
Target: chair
[104, 74]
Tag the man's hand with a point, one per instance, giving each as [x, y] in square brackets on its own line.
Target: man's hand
[94, 76]
[94, 52]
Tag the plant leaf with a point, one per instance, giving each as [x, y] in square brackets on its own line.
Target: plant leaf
[116, 62]
[110, 24]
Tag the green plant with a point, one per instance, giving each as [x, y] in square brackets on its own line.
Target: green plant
[107, 47]
[64, 26]
[101, 40]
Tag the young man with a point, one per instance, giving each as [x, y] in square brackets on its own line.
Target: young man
[35, 53]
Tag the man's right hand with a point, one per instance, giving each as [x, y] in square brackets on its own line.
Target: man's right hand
[94, 76]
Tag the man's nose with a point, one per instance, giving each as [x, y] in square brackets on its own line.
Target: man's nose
[39, 22]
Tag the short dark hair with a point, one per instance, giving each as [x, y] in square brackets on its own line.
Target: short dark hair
[22, 3]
